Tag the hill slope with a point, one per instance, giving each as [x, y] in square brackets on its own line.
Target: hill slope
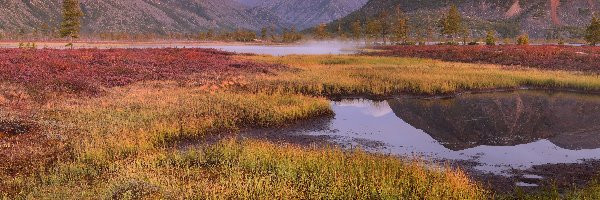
[307, 13]
[539, 18]
[164, 16]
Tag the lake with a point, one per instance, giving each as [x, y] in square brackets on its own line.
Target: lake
[499, 132]
[308, 48]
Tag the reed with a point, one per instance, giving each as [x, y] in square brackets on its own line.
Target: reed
[390, 76]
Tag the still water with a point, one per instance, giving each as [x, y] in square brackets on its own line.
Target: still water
[497, 131]
[308, 48]
[289, 50]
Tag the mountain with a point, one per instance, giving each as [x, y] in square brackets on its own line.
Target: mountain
[307, 13]
[136, 16]
[183, 16]
[538, 18]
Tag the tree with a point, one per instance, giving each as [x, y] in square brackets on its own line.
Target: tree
[385, 25]
[273, 33]
[523, 39]
[341, 34]
[71, 23]
[291, 36]
[452, 23]
[592, 33]
[45, 30]
[210, 34]
[401, 27]
[465, 35]
[22, 33]
[356, 28]
[373, 28]
[490, 38]
[264, 33]
[321, 32]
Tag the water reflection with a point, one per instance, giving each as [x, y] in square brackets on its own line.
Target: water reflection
[570, 121]
[500, 131]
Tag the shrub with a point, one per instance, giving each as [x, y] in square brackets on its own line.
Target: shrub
[523, 39]
[554, 57]
[89, 71]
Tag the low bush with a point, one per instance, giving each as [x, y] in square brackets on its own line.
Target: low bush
[543, 57]
[90, 71]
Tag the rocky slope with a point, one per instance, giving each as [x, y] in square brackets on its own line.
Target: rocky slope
[539, 18]
[164, 16]
[308, 13]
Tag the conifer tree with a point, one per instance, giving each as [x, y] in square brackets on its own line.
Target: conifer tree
[490, 38]
[452, 23]
[592, 33]
[401, 26]
[373, 29]
[210, 34]
[356, 28]
[341, 34]
[71, 23]
[263, 33]
[384, 25]
[321, 32]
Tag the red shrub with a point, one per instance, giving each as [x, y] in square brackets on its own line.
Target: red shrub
[88, 71]
[586, 59]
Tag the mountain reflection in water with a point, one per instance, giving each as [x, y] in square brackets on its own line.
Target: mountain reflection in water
[570, 121]
[499, 131]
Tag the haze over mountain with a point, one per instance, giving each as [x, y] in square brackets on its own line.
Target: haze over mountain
[539, 18]
[163, 16]
[306, 13]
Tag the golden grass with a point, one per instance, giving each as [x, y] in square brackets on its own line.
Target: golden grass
[121, 149]
[257, 170]
[389, 76]
[146, 116]
[122, 143]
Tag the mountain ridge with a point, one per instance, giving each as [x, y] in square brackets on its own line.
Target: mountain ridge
[538, 18]
[167, 16]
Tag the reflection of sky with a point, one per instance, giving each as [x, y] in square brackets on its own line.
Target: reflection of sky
[376, 122]
[373, 109]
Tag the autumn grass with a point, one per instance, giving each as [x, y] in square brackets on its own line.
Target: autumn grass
[390, 76]
[151, 114]
[255, 170]
[123, 144]
[122, 149]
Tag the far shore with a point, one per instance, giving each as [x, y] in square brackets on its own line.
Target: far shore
[136, 44]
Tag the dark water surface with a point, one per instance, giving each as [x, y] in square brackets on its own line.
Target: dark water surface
[496, 131]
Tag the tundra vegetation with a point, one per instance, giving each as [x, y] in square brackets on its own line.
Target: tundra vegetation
[86, 124]
[111, 123]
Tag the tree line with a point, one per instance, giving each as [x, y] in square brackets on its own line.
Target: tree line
[381, 28]
[396, 28]
[72, 15]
